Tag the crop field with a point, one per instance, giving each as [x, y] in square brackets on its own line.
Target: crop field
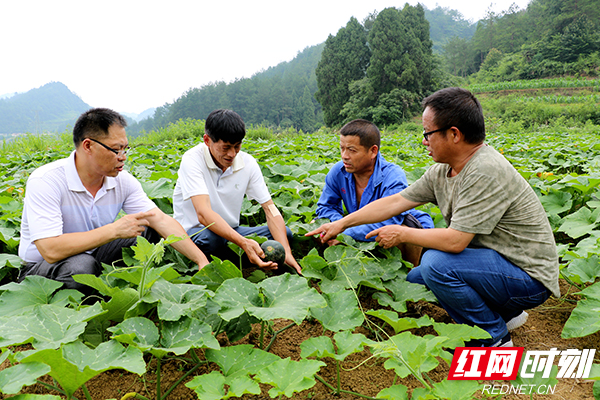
[218, 327]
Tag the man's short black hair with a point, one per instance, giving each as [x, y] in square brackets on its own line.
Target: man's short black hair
[94, 123]
[460, 108]
[367, 132]
[225, 125]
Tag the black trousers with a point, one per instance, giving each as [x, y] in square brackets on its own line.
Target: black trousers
[84, 263]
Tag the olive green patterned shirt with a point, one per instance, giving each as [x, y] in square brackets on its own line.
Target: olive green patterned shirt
[490, 199]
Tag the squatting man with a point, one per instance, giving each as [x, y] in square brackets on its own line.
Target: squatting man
[497, 257]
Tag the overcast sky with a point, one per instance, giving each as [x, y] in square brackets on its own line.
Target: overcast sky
[131, 55]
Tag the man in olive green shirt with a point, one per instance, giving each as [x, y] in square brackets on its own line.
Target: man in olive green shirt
[497, 257]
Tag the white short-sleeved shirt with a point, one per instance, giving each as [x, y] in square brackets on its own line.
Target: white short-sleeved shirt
[199, 175]
[56, 202]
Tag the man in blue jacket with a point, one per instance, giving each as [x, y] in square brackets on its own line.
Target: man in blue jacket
[362, 177]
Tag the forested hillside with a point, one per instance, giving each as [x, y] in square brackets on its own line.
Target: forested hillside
[284, 96]
[550, 38]
[280, 96]
[49, 108]
[378, 68]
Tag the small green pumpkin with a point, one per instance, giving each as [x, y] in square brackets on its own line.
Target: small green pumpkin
[274, 251]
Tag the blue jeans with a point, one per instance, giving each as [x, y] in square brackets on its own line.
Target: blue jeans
[479, 287]
[84, 263]
[212, 244]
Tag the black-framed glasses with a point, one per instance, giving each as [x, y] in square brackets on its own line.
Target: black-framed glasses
[121, 152]
[426, 134]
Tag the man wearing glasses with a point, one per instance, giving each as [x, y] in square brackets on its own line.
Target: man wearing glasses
[497, 257]
[69, 223]
[361, 177]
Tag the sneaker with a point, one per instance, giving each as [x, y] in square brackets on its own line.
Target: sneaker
[517, 321]
[506, 341]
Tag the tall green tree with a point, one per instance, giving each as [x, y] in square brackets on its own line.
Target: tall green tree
[402, 56]
[306, 120]
[344, 59]
[400, 71]
[458, 57]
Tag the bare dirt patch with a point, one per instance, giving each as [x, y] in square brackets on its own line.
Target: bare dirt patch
[359, 373]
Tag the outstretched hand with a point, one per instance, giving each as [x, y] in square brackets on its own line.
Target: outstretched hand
[132, 225]
[388, 236]
[327, 231]
[255, 254]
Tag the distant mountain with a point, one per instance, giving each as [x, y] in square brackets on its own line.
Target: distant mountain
[143, 115]
[50, 108]
[7, 95]
[146, 114]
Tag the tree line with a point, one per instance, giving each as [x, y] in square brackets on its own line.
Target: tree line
[549, 38]
[280, 96]
[380, 69]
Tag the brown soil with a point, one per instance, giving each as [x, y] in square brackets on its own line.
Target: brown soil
[359, 374]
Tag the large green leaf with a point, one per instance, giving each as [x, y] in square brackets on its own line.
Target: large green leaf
[180, 336]
[585, 318]
[287, 296]
[176, 300]
[75, 363]
[134, 275]
[346, 343]
[557, 202]
[284, 296]
[35, 397]
[137, 331]
[395, 392]
[581, 222]
[343, 267]
[122, 299]
[287, 376]
[237, 364]
[583, 270]
[407, 349]
[341, 313]
[240, 360]
[14, 378]
[161, 188]
[212, 386]
[234, 296]
[403, 291]
[215, 273]
[175, 336]
[46, 326]
[457, 334]
[400, 324]
[20, 298]
[456, 390]
[8, 261]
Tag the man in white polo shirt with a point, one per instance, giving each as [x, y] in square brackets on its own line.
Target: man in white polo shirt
[68, 225]
[214, 177]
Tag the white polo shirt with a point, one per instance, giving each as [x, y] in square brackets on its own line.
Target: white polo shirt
[56, 202]
[199, 175]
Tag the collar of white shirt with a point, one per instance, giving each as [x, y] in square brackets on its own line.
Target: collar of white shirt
[74, 181]
[238, 161]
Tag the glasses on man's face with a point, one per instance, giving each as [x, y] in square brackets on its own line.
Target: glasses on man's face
[426, 134]
[119, 153]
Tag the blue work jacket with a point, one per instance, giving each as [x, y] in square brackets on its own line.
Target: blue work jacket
[340, 187]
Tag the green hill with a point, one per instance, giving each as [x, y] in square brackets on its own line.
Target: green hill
[50, 108]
